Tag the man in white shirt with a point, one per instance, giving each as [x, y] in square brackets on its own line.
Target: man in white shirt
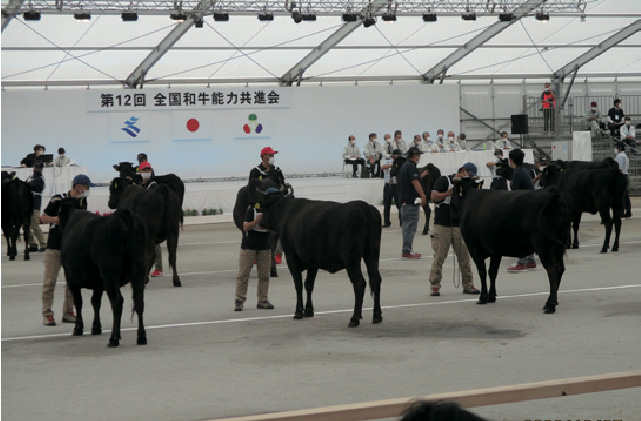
[373, 154]
[352, 154]
[503, 142]
[624, 165]
[399, 143]
[440, 140]
[417, 143]
[387, 146]
[452, 144]
[429, 145]
[627, 134]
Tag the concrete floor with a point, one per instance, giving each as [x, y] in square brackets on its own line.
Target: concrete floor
[206, 361]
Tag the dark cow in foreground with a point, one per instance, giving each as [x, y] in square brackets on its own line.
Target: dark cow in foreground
[496, 223]
[17, 207]
[427, 183]
[607, 162]
[243, 200]
[160, 210]
[591, 190]
[329, 236]
[104, 253]
[127, 170]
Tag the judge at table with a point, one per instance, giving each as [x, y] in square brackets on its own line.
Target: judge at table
[29, 160]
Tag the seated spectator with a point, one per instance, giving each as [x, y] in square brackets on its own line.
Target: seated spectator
[31, 158]
[593, 117]
[503, 142]
[352, 154]
[398, 142]
[61, 160]
[615, 118]
[627, 134]
[418, 143]
[430, 145]
[387, 146]
[373, 154]
[462, 140]
[452, 144]
[440, 140]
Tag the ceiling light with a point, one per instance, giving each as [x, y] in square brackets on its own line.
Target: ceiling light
[84, 17]
[468, 16]
[542, 17]
[429, 17]
[265, 16]
[221, 17]
[506, 17]
[32, 15]
[389, 17]
[198, 23]
[583, 17]
[178, 17]
[349, 17]
[369, 21]
[129, 16]
[308, 17]
[297, 16]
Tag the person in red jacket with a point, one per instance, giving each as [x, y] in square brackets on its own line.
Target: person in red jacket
[548, 100]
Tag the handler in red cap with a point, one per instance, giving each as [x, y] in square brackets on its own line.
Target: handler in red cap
[266, 169]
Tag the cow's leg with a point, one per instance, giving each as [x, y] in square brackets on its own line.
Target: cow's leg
[172, 247]
[13, 250]
[139, 306]
[607, 223]
[358, 282]
[77, 302]
[26, 224]
[96, 301]
[427, 211]
[495, 262]
[375, 287]
[481, 268]
[116, 306]
[297, 274]
[617, 233]
[575, 226]
[309, 288]
[555, 271]
[273, 240]
[6, 237]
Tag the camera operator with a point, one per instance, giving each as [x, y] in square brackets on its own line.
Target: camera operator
[499, 170]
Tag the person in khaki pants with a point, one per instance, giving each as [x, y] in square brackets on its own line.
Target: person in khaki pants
[78, 194]
[447, 231]
[37, 185]
[254, 246]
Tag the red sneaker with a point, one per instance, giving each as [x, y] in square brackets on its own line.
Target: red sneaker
[48, 320]
[410, 256]
[531, 266]
[517, 268]
[156, 273]
[278, 258]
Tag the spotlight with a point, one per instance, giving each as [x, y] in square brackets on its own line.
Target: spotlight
[468, 16]
[265, 16]
[32, 15]
[297, 16]
[369, 21]
[84, 17]
[198, 23]
[429, 17]
[129, 16]
[178, 17]
[221, 17]
[542, 17]
[308, 17]
[583, 17]
[506, 17]
[349, 17]
[389, 17]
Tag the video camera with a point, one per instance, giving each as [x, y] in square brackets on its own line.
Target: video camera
[127, 170]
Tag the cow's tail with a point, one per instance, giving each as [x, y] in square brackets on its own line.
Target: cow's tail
[554, 216]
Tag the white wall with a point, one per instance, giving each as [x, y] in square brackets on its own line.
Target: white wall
[310, 134]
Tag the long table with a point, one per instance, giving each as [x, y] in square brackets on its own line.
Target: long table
[57, 179]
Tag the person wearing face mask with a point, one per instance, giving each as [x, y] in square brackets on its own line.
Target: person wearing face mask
[418, 143]
[615, 118]
[451, 145]
[548, 103]
[352, 154]
[373, 153]
[593, 117]
[29, 160]
[624, 166]
[267, 169]
[36, 184]
[440, 140]
[503, 142]
[398, 142]
[147, 174]
[77, 197]
[429, 145]
[521, 180]
[387, 146]
[628, 133]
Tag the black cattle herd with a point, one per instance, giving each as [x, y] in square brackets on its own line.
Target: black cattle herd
[104, 253]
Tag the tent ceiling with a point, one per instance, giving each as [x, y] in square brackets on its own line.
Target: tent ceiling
[58, 50]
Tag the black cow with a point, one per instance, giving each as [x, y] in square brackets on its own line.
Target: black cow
[329, 236]
[159, 208]
[427, 183]
[496, 223]
[596, 190]
[127, 170]
[17, 207]
[607, 162]
[104, 253]
[243, 200]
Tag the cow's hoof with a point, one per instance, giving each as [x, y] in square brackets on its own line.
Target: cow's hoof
[482, 300]
[491, 299]
[12, 258]
[96, 331]
[549, 309]
[298, 315]
[615, 248]
[424, 231]
[113, 343]
[177, 283]
[27, 258]
[575, 246]
[377, 319]
[308, 313]
[273, 274]
[353, 322]
[77, 331]
[604, 250]
[142, 340]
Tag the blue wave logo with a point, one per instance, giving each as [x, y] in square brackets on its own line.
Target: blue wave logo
[131, 128]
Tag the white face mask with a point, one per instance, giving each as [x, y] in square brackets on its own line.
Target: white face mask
[85, 193]
[440, 137]
[427, 139]
[451, 139]
[145, 175]
[388, 140]
[271, 160]
[352, 142]
[616, 151]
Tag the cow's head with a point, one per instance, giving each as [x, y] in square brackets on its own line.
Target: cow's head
[65, 208]
[116, 188]
[550, 175]
[266, 196]
[433, 174]
[462, 185]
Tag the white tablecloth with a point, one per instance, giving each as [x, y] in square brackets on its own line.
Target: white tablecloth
[57, 179]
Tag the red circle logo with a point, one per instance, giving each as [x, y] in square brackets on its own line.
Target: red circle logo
[193, 125]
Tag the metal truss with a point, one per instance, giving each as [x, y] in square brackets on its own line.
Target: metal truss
[335, 8]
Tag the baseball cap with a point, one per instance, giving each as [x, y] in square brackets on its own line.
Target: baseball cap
[470, 167]
[397, 152]
[620, 145]
[593, 104]
[498, 152]
[82, 179]
[268, 151]
[414, 151]
[544, 159]
[144, 164]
